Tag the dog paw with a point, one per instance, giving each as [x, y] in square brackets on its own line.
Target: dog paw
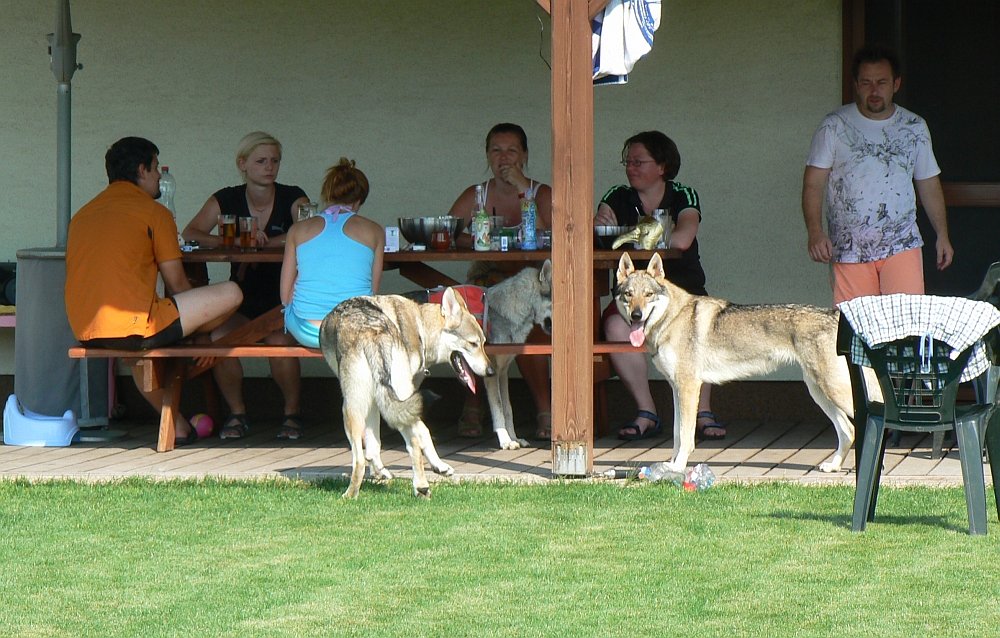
[676, 467]
[829, 466]
[444, 470]
[514, 444]
[523, 442]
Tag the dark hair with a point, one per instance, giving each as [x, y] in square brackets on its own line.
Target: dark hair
[507, 127]
[344, 184]
[123, 159]
[661, 148]
[873, 54]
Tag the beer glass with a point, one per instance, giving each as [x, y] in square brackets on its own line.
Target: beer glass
[227, 230]
[248, 233]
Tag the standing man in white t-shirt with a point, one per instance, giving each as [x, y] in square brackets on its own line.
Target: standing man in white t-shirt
[869, 156]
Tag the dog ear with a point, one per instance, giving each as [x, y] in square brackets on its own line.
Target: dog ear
[545, 275]
[452, 306]
[655, 267]
[625, 268]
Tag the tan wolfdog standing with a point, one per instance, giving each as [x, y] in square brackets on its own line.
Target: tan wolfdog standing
[381, 348]
[697, 340]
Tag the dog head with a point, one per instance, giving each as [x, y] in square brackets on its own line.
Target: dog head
[462, 340]
[642, 295]
[543, 313]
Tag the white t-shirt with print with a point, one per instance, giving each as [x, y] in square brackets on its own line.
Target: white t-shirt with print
[872, 206]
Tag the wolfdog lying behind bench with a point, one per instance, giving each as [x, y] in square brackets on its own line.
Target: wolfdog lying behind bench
[381, 347]
[515, 305]
[697, 340]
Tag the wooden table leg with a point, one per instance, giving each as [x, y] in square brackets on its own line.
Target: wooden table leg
[174, 379]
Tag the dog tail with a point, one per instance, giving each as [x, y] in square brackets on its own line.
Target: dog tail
[402, 412]
[397, 412]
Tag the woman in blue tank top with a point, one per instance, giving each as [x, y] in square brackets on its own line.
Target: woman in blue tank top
[331, 257]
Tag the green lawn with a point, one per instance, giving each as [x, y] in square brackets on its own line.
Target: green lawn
[144, 558]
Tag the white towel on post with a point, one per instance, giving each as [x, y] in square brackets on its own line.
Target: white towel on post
[622, 34]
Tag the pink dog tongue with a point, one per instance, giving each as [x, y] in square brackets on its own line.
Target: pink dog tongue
[637, 337]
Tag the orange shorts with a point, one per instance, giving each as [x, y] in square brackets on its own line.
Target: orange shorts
[902, 272]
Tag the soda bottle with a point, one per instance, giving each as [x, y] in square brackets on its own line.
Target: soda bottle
[481, 222]
[168, 187]
[529, 215]
[699, 477]
[661, 472]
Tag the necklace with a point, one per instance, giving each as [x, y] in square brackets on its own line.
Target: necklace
[260, 210]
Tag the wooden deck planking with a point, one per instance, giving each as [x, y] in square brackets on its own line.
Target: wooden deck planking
[752, 451]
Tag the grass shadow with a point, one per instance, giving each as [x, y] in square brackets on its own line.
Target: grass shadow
[846, 520]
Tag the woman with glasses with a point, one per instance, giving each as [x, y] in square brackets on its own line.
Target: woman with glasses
[651, 163]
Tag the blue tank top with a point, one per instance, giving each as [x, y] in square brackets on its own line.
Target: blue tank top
[332, 267]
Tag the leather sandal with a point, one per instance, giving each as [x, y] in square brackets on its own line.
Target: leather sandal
[650, 432]
[291, 428]
[702, 430]
[234, 427]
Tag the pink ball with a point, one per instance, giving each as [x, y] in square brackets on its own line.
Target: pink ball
[203, 424]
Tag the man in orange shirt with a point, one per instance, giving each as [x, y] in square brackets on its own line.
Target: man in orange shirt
[117, 244]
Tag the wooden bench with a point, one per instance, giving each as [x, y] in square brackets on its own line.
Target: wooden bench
[167, 368]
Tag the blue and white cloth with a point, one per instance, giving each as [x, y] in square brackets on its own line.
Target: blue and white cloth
[622, 34]
[959, 322]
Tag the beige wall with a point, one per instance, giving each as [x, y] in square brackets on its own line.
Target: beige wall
[408, 89]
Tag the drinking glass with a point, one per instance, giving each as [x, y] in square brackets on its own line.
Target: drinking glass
[227, 230]
[307, 210]
[248, 233]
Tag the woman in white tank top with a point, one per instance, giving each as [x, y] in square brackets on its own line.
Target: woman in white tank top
[507, 154]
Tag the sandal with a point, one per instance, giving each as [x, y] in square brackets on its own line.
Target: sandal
[702, 430]
[543, 432]
[650, 432]
[470, 425]
[291, 428]
[235, 427]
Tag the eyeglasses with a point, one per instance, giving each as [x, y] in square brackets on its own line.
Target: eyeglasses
[636, 163]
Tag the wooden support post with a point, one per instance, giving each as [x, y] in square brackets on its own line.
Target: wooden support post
[174, 379]
[572, 238]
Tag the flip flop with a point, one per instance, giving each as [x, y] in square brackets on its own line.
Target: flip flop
[234, 427]
[640, 434]
[704, 436]
[291, 428]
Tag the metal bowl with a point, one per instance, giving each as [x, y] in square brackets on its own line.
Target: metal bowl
[605, 236]
[418, 230]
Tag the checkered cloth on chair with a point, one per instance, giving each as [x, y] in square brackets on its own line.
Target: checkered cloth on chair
[956, 321]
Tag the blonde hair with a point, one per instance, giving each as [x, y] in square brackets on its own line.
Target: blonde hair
[344, 184]
[249, 143]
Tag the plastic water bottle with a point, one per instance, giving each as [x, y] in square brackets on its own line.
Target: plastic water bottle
[529, 214]
[481, 222]
[168, 187]
[699, 477]
[661, 472]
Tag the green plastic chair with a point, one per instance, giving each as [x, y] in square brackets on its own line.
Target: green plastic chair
[918, 398]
